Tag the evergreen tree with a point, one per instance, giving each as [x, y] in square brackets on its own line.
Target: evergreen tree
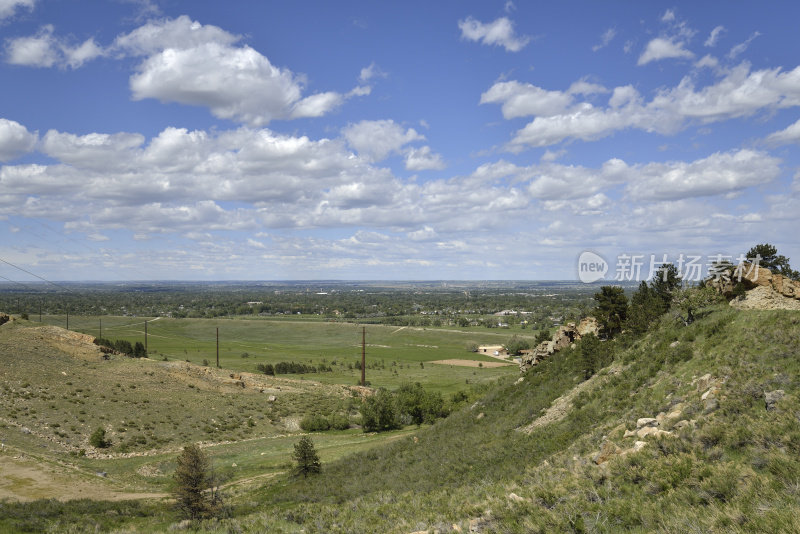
[646, 307]
[306, 457]
[770, 259]
[193, 488]
[591, 355]
[664, 284]
[611, 310]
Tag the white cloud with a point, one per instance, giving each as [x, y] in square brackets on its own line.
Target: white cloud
[15, 140]
[519, 100]
[497, 33]
[790, 134]
[420, 159]
[668, 16]
[378, 139]
[713, 37]
[9, 7]
[719, 173]
[741, 47]
[194, 64]
[559, 116]
[180, 33]
[36, 51]
[605, 39]
[370, 72]
[234, 83]
[708, 61]
[46, 50]
[92, 151]
[664, 48]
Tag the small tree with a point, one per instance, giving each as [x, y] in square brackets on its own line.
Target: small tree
[515, 345]
[591, 355]
[379, 412]
[98, 439]
[138, 350]
[306, 457]
[194, 491]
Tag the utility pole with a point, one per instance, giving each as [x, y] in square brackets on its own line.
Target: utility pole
[67, 318]
[363, 355]
[40, 310]
[101, 329]
[217, 347]
[145, 338]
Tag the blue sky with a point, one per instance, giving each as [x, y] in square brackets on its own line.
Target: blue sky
[373, 140]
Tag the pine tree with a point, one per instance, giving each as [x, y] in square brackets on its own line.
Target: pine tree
[306, 457]
[193, 489]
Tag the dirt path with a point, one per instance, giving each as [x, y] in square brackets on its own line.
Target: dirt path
[26, 479]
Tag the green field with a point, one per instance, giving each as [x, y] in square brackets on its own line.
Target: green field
[394, 354]
[57, 390]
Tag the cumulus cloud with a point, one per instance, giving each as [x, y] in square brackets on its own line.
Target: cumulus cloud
[46, 50]
[180, 33]
[193, 64]
[713, 37]
[376, 140]
[519, 100]
[234, 83]
[9, 7]
[719, 173]
[664, 48]
[497, 33]
[422, 158]
[15, 140]
[560, 116]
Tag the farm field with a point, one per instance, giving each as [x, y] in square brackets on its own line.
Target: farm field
[394, 354]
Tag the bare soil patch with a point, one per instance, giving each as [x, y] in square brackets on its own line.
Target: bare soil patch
[472, 363]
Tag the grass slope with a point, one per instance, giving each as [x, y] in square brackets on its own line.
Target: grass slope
[730, 464]
[734, 466]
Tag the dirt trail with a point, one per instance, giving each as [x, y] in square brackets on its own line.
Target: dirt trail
[25, 479]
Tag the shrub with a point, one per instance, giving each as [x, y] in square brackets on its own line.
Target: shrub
[315, 423]
[379, 412]
[98, 439]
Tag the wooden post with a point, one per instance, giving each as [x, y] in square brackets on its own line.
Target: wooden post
[101, 329]
[145, 338]
[40, 310]
[363, 355]
[217, 347]
[67, 318]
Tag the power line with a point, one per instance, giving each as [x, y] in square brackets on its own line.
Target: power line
[35, 275]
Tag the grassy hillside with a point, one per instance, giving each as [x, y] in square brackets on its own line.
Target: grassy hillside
[733, 465]
[527, 457]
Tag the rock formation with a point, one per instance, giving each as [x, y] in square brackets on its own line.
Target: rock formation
[764, 290]
[563, 338]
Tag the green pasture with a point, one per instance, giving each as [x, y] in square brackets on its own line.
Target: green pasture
[394, 354]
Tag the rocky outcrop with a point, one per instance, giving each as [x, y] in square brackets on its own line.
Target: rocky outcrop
[4, 318]
[764, 290]
[564, 337]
